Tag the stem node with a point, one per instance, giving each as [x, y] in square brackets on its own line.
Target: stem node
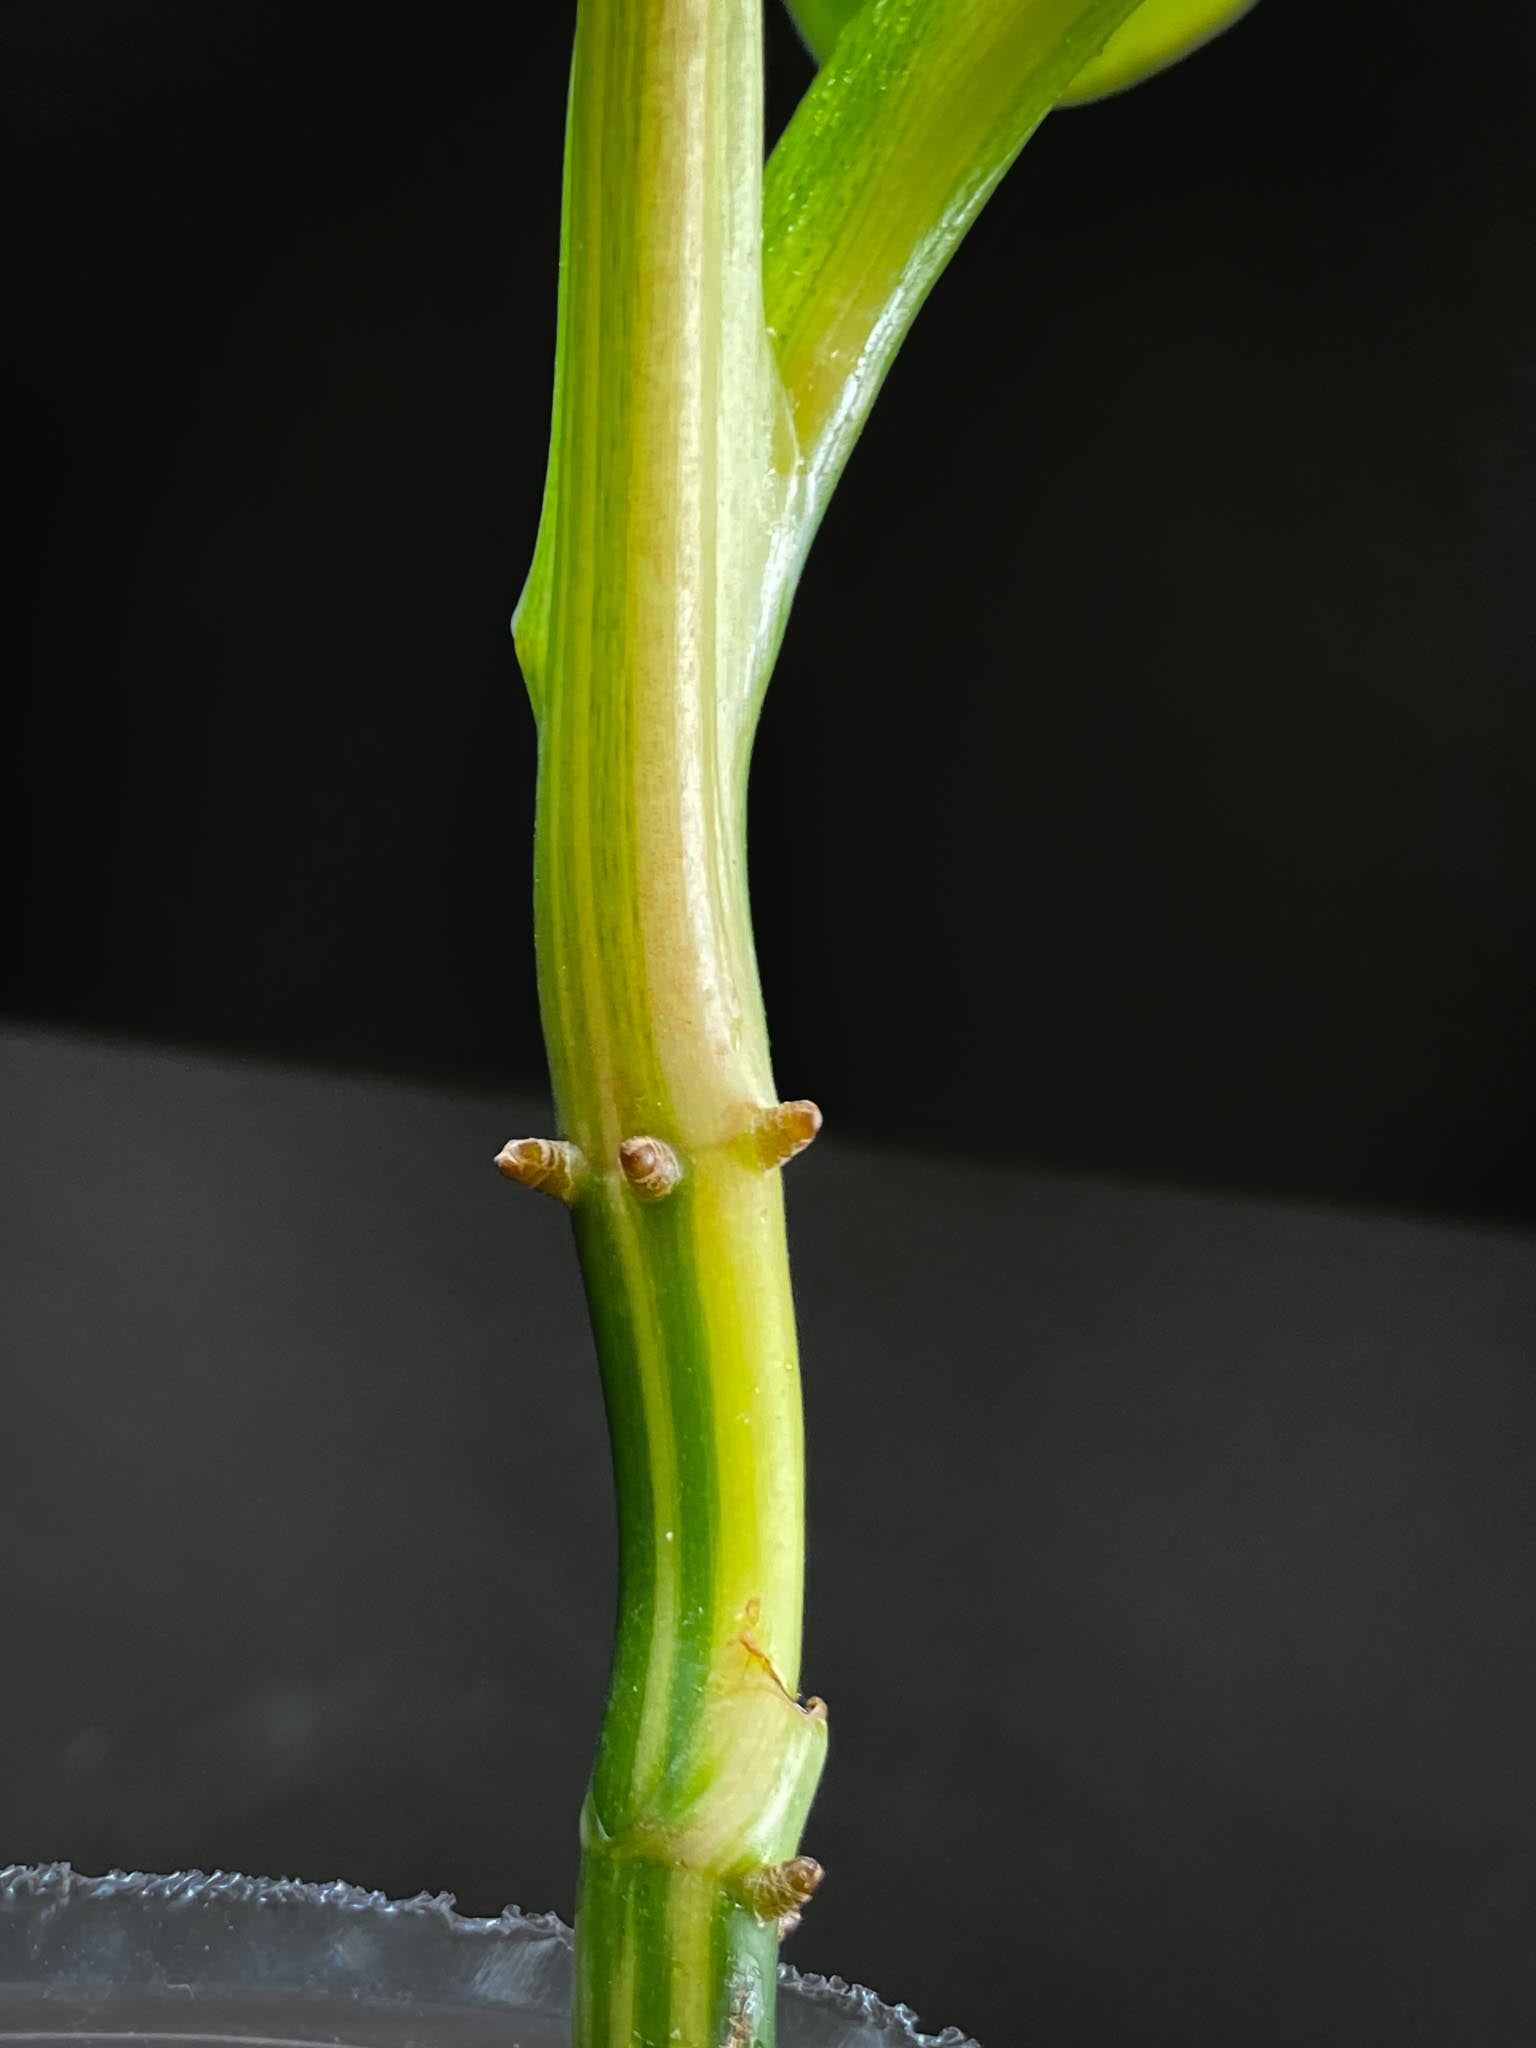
[779, 1134]
[777, 1891]
[548, 1165]
[651, 1167]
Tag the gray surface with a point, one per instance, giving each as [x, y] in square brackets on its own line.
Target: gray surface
[1174, 1560]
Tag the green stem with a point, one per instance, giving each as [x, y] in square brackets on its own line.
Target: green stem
[696, 434]
[642, 638]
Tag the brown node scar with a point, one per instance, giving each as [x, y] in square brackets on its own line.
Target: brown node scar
[813, 1708]
[784, 1130]
[777, 1891]
[761, 1658]
[548, 1164]
[651, 1167]
[739, 2020]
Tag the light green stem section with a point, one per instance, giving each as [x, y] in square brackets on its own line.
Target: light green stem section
[718, 351]
[642, 638]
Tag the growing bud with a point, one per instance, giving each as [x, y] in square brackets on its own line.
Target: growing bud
[548, 1164]
[785, 1130]
[651, 1167]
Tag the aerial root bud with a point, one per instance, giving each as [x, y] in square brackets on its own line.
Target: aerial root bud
[548, 1164]
[777, 1891]
[784, 1130]
[651, 1167]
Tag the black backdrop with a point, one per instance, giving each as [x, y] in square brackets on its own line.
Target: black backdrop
[1148, 780]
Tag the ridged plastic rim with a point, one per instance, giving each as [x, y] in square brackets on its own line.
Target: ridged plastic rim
[525, 1962]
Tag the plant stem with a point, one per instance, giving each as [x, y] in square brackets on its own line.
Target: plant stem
[642, 637]
[695, 438]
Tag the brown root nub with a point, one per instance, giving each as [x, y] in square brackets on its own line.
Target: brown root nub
[777, 1891]
[784, 1130]
[651, 1167]
[548, 1164]
[743, 2029]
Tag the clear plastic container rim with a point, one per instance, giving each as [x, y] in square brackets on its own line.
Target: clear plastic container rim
[130, 1955]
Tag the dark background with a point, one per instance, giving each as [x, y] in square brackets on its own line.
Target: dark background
[1146, 792]
[1149, 782]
